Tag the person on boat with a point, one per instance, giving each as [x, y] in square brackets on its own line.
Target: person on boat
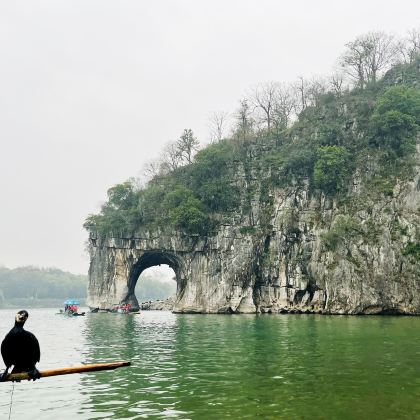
[125, 308]
[20, 348]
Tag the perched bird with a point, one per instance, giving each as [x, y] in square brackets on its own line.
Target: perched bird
[20, 348]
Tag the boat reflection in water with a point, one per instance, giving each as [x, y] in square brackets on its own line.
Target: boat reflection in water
[124, 308]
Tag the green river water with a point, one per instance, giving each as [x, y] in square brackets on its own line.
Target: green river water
[221, 367]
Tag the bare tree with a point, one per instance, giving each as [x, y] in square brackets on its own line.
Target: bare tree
[317, 87]
[308, 91]
[218, 122]
[353, 62]
[413, 41]
[284, 107]
[368, 56]
[171, 158]
[383, 53]
[187, 144]
[410, 46]
[336, 83]
[300, 88]
[151, 170]
[264, 98]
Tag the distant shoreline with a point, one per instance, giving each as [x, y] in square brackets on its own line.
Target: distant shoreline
[16, 303]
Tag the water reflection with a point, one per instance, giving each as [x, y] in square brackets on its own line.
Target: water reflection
[147, 344]
[208, 366]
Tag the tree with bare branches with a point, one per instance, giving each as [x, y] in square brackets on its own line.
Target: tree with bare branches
[308, 91]
[171, 158]
[336, 83]
[368, 56]
[284, 107]
[151, 170]
[410, 46]
[300, 88]
[264, 98]
[218, 122]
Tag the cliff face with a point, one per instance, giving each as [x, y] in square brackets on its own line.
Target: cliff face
[288, 250]
[364, 271]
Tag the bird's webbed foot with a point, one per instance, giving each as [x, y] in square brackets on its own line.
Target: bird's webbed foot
[34, 374]
[4, 375]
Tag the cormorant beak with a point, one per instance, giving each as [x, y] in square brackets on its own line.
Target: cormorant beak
[21, 317]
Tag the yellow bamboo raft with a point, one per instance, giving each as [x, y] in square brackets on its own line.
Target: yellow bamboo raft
[69, 370]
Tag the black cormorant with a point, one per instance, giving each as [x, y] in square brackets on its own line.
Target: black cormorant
[20, 348]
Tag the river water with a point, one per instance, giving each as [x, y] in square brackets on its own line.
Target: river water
[221, 366]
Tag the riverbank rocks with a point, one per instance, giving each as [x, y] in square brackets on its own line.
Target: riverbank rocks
[158, 305]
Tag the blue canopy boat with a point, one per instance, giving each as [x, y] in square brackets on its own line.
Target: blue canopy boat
[71, 307]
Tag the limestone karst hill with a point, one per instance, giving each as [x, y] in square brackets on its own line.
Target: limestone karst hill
[321, 215]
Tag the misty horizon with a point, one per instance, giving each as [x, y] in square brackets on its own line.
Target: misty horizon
[93, 91]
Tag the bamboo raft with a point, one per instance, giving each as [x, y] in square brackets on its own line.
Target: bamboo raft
[69, 370]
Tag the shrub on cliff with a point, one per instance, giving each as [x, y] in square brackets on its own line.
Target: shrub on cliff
[185, 211]
[396, 119]
[331, 171]
[342, 233]
[119, 214]
[211, 177]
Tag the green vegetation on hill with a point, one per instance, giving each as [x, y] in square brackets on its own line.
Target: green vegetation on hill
[321, 138]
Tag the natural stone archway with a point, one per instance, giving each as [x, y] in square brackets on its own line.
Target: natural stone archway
[147, 260]
[211, 277]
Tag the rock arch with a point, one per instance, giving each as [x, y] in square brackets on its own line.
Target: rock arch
[147, 260]
[213, 275]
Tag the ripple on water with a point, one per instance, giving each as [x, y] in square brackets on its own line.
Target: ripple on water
[199, 366]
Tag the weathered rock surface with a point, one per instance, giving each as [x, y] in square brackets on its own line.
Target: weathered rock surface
[272, 257]
[159, 305]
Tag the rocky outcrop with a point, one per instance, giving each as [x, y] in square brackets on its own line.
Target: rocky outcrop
[159, 305]
[289, 250]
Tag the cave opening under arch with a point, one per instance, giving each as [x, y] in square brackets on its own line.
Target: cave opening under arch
[171, 267]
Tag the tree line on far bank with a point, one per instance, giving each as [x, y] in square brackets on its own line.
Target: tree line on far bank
[36, 287]
[49, 287]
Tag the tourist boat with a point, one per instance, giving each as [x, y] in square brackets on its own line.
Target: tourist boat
[71, 308]
[124, 309]
[116, 309]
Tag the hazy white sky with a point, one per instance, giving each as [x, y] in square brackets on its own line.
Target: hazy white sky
[91, 90]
